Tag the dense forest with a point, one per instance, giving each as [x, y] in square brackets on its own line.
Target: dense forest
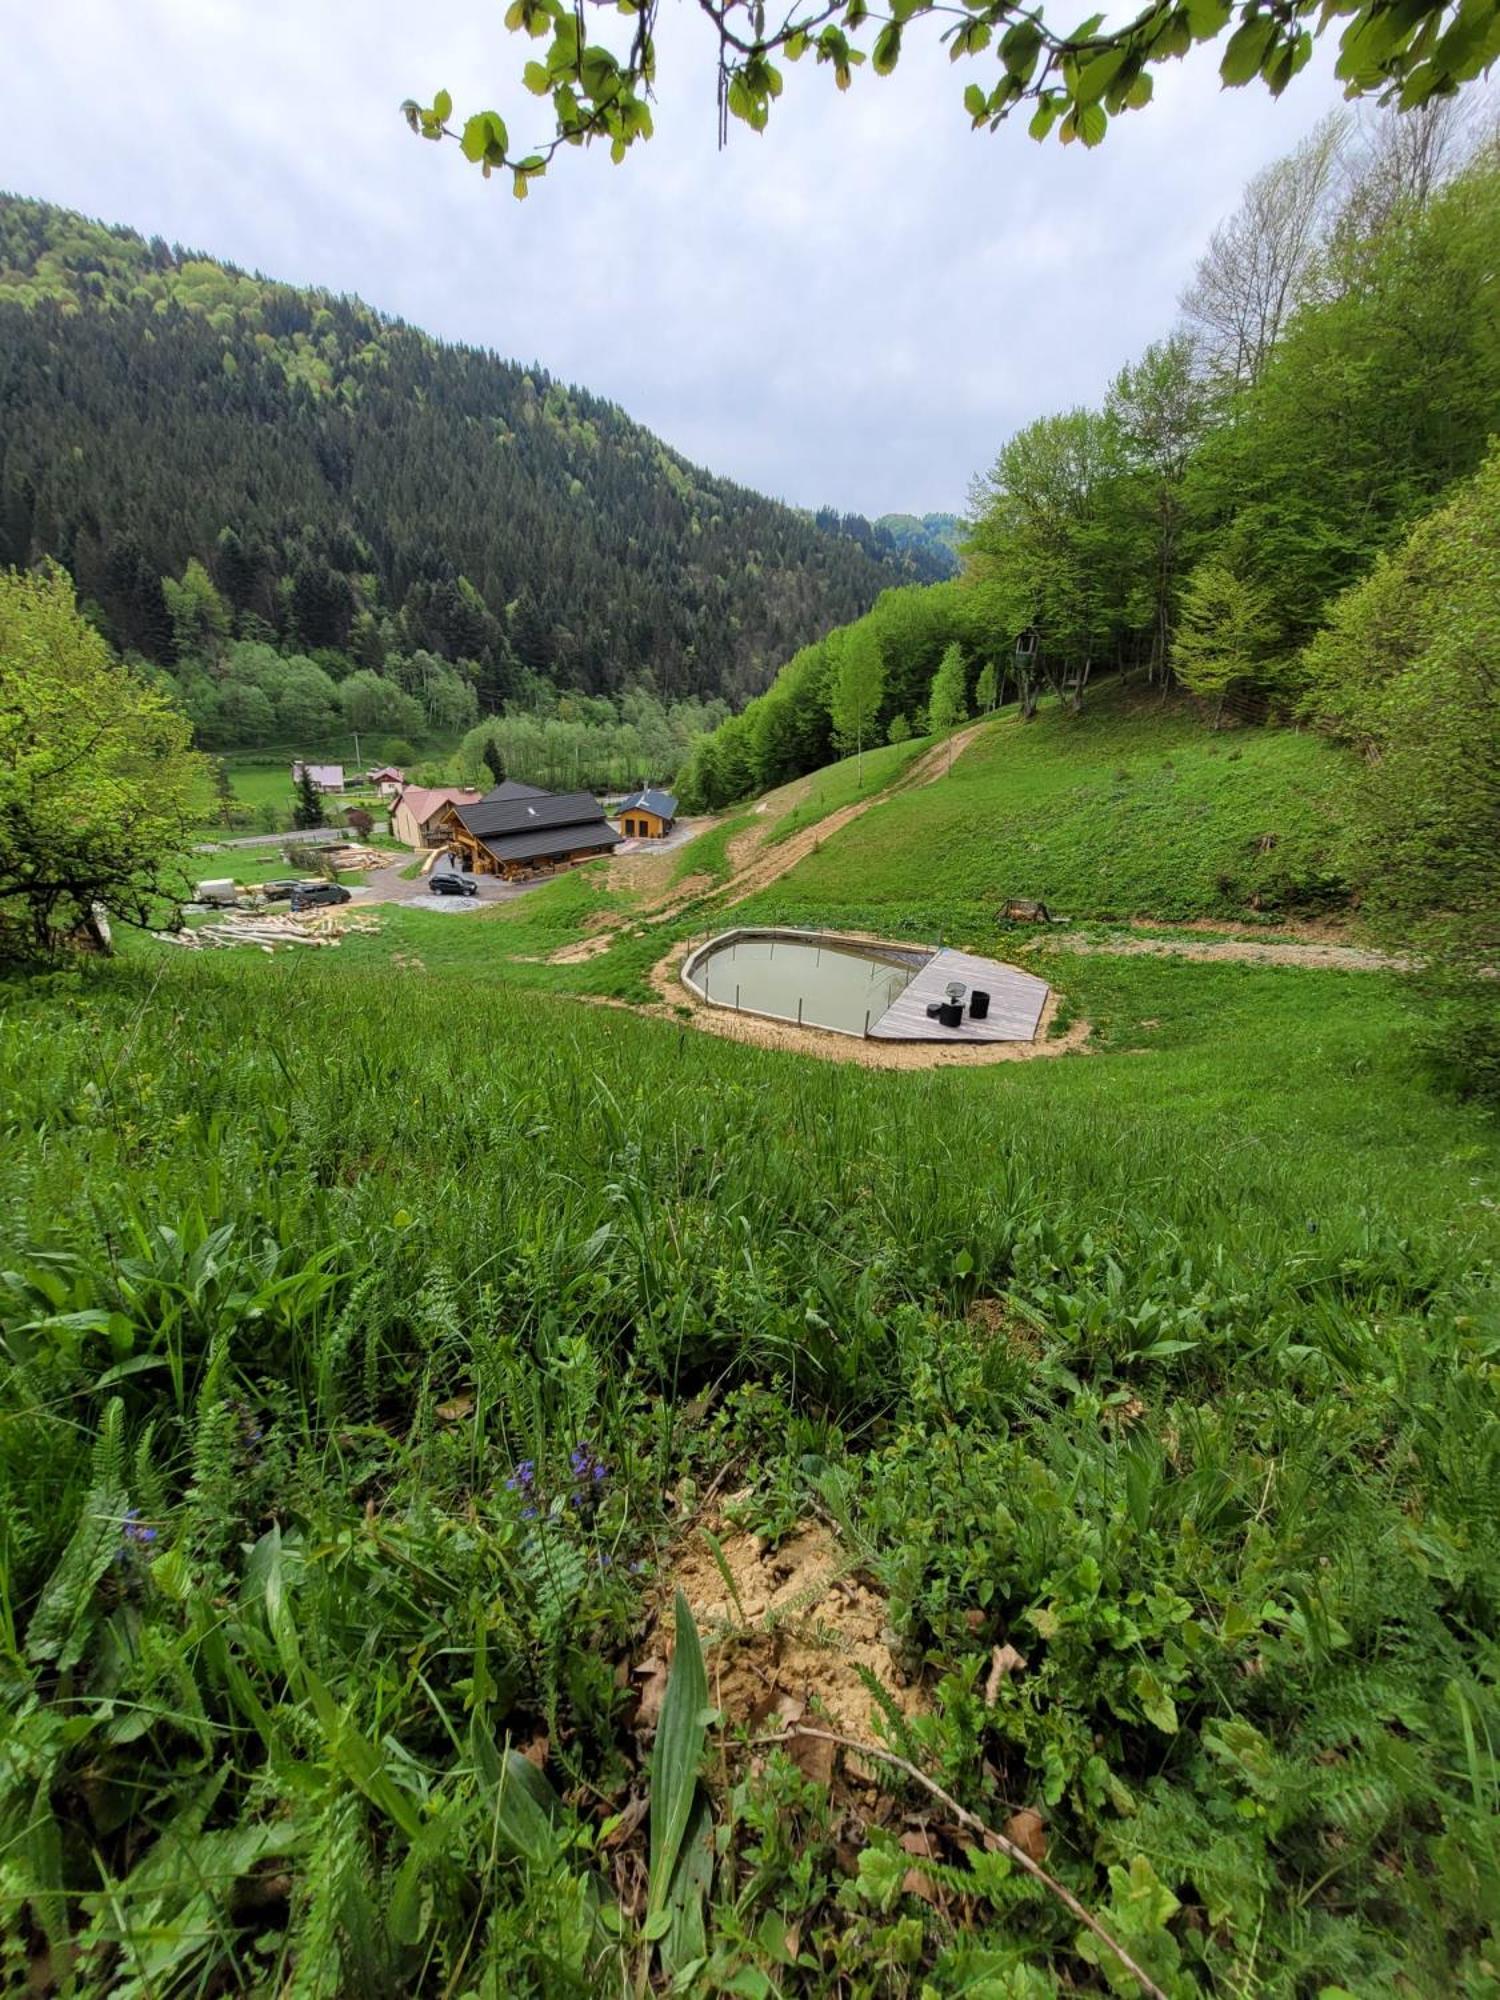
[1333, 377]
[218, 458]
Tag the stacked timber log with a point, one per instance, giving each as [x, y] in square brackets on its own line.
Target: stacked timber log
[273, 933]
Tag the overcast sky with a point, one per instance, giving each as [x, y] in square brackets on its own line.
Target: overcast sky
[855, 307]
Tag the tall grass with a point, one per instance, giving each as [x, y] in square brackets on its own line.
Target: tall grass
[327, 1287]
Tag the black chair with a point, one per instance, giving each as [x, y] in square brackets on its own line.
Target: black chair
[979, 1005]
[950, 1013]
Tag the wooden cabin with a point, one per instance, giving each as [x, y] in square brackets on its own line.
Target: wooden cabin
[517, 830]
[647, 815]
[417, 815]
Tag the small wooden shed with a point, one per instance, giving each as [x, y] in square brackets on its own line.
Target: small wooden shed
[648, 815]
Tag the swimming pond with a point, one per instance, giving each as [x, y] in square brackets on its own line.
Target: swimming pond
[865, 987]
[817, 982]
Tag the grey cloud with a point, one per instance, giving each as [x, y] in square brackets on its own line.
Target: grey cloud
[855, 307]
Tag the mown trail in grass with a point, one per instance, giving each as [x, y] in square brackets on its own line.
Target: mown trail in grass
[1168, 1367]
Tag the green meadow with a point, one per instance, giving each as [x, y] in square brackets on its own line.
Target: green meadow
[1127, 809]
[1169, 1366]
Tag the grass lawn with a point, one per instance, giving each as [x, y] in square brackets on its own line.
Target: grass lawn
[1125, 810]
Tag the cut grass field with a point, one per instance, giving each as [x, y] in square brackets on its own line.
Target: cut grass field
[1125, 810]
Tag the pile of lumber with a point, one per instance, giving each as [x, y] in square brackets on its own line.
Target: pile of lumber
[355, 858]
[271, 933]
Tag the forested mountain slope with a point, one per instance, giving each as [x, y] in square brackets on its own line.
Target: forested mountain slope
[354, 484]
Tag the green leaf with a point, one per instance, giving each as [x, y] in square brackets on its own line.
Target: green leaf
[975, 102]
[442, 107]
[537, 78]
[1207, 18]
[686, 1939]
[1247, 50]
[484, 138]
[887, 50]
[1043, 118]
[676, 1755]
[1093, 123]
[656, 1925]
[1096, 76]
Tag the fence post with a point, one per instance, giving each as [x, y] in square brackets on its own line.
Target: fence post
[799, 1010]
[867, 1024]
[736, 996]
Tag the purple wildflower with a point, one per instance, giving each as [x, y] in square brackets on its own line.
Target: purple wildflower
[522, 1479]
[134, 1533]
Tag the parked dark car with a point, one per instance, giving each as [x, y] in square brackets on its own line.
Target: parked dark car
[451, 884]
[314, 895]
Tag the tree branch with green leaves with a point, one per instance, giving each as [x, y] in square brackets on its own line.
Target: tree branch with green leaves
[1074, 81]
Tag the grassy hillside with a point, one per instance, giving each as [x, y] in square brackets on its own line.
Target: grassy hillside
[1125, 810]
[1168, 1368]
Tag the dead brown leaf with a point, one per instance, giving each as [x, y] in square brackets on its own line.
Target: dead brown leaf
[626, 1821]
[920, 1843]
[915, 1883]
[537, 1750]
[1004, 1661]
[654, 1674]
[813, 1756]
[1026, 1831]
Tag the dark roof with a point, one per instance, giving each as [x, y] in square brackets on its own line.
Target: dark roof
[512, 788]
[661, 803]
[541, 843]
[527, 811]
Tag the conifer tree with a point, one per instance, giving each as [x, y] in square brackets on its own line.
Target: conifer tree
[307, 812]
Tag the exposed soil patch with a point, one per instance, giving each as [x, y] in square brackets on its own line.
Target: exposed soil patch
[1239, 951]
[788, 1642]
[584, 948]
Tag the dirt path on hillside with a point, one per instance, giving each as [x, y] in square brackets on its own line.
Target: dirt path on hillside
[755, 866]
[1238, 951]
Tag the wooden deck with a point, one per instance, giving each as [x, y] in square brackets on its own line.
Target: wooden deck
[1016, 1003]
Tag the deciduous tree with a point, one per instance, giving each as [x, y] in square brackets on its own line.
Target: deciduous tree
[858, 690]
[1074, 79]
[1223, 634]
[98, 785]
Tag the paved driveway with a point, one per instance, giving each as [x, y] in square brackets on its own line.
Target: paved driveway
[386, 885]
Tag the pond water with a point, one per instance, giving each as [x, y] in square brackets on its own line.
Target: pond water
[834, 985]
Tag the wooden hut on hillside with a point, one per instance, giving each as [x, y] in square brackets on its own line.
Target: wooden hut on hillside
[518, 830]
[647, 815]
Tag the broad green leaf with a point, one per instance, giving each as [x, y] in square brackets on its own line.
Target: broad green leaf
[1247, 50]
[887, 50]
[1096, 76]
[686, 1940]
[442, 107]
[1093, 123]
[675, 1757]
